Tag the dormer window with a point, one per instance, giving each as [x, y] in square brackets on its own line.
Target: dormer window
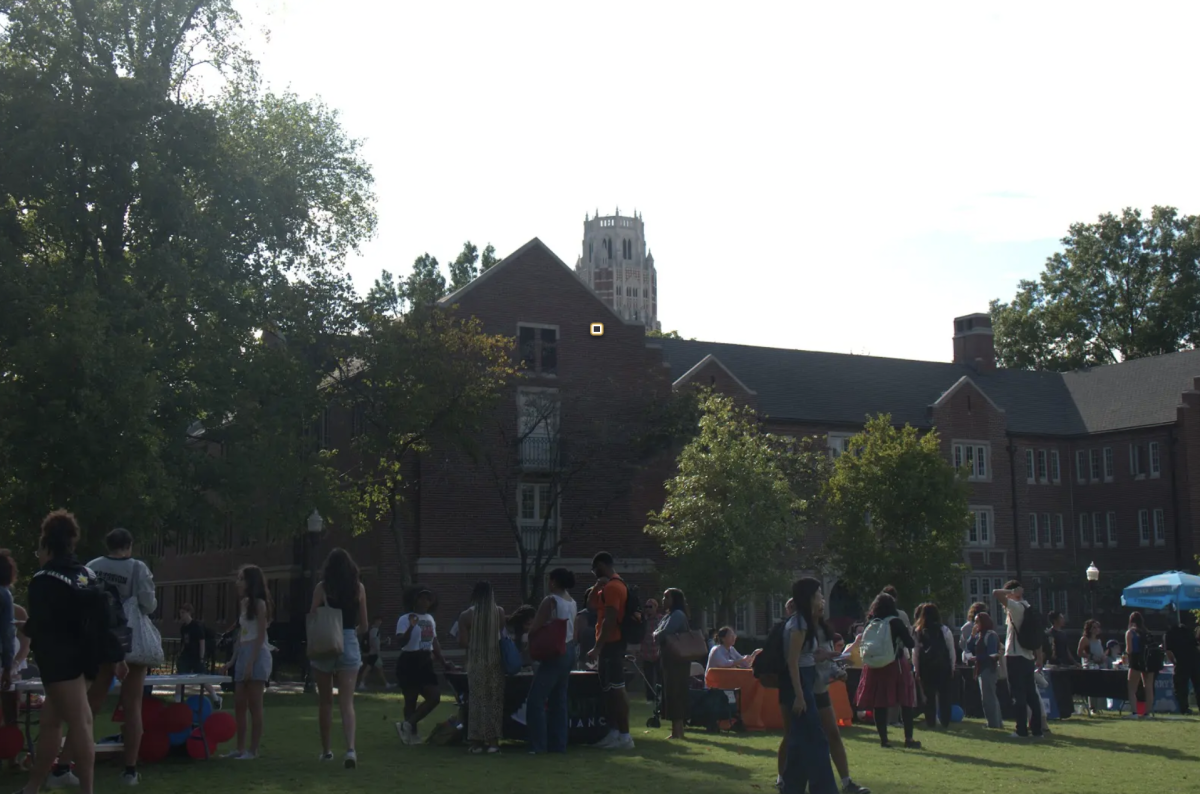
[538, 347]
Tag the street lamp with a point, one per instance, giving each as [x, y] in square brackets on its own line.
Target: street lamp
[315, 525]
[1093, 576]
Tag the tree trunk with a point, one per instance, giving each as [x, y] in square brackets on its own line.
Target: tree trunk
[397, 529]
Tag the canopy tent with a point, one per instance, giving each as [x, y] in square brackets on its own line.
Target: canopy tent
[1177, 588]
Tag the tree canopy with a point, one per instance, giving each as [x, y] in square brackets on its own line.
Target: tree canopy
[1123, 287]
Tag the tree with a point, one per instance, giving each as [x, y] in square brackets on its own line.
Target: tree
[149, 232]
[898, 511]
[733, 516]
[1123, 288]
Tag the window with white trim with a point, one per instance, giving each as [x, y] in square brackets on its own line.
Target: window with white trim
[741, 617]
[1155, 460]
[1098, 530]
[1046, 531]
[1030, 472]
[1109, 466]
[778, 608]
[1135, 462]
[839, 444]
[980, 589]
[1033, 530]
[1143, 527]
[1081, 467]
[1043, 467]
[1095, 465]
[1084, 534]
[1055, 471]
[538, 513]
[1060, 539]
[974, 455]
[979, 530]
[1112, 530]
[1160, 528]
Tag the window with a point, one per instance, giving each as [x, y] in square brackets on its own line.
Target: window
[538, 434]
[1155, 460]
[839, 444]
[1059, 536]
[1112, 530]
[1144, 527]
[1108, 464]
[974, 456]
[538, 346]
[1058, 601]
[979, 530]
[778, 608]
[1084, 535]
[1033, 530]
[538, 514]
[1046, 531]
[1098, 530]
[1081, 467]
[1030, 476]
[1095, 465]
[1135, 461]
[981, 589]
[741, 617]
[1043, 468]
[1055, 473]
[1160, 528]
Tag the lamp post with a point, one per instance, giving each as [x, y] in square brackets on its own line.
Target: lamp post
[1093, 576]
[314, 525]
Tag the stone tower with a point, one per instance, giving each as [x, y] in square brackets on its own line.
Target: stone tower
[617, 265]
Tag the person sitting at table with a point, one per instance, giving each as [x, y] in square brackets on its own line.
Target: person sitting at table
[1137, 642]
[676, 675]
[724, 656]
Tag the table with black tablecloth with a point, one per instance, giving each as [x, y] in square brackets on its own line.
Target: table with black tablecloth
[585, 705]
[965, 693]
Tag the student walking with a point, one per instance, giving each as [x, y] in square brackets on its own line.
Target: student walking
[1020, 661]
[340, 588]
[546, 707]
[252, 659]
[808, 767]
[416, 633]
[889, 684]
[935, 664]
[824, 654]
[479, 631]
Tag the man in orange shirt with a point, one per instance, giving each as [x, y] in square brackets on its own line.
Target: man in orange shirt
[608, 599]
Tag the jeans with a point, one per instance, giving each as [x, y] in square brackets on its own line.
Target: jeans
[1025, 695]
[987, 694]
[546, 706]
[937, 698]
[808, 765]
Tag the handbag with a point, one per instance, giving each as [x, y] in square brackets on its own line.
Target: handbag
[686, 646]
[550, 640]
[510, 657]
[323, 630]
[145, 644]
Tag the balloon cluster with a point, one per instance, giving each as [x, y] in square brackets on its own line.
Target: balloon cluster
[166, 726]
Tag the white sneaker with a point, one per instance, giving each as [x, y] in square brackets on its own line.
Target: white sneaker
[326, 756]
[247, 756]
[67, 780]
[130, 778]
[216, 699]
[608, 742]
[408, 733]
[234, 756]
[622, 743]
[351, 761]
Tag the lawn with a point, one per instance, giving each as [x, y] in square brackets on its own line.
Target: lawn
[1082, 755]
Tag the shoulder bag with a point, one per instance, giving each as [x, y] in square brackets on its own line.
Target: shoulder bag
[686, 646]
[323, 630]
[550, 640]
[145, 641]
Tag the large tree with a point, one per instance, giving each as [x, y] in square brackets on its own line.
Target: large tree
[150, 231]
[1123, 287]
[736, 510]
[898, 514]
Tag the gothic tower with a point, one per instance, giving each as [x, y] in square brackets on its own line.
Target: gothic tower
[618, 266]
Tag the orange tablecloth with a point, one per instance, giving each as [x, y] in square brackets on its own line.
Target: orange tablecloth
[760, 706]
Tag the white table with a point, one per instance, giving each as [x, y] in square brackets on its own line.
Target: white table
[34, 686]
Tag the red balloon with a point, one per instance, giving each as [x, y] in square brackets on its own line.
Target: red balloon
[155, 746]
[196, 746]
[175, 718]
[152, 710]
[220, 727]
[12, 742]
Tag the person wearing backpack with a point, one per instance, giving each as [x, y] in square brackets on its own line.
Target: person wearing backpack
[887, 677]
[1143, 663]
[611, 599]
[935, 664]
[1025, 634]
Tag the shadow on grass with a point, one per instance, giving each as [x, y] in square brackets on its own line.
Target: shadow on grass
[1091, 743]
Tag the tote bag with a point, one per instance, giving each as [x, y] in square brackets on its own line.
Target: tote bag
[686, 646]
[510, 656]
[550, 641]
[323, 630]
[145, 641]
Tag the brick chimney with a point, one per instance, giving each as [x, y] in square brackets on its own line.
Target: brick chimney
[973, 342]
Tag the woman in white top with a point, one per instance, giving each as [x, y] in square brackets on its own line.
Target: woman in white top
[724, 655]
[546, 707]
[251, 665]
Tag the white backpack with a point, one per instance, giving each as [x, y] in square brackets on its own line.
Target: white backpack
[878, 648]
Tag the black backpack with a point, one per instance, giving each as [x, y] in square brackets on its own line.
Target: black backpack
[1152, 653]
[100, 608]
[770, 666]
[1032, 631]
[633, 625]
[934, 656]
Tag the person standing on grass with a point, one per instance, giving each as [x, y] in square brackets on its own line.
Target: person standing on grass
[648, 653]
[892, 685]
[676, 675]
[934, 657]
[193, 641]
[1021, 662]
[373, 661]
[1060, 648]
[1183, 651]
[546, 713]
[252, 659]
[609, 599]
[340, 588]
[968, 629]
[894, 713]
[1137, 643]
[416, 634]
[480, 630]
[787, 698]
[984, 651]
[808, 766]
[826, 651]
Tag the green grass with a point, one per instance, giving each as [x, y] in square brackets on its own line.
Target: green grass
[1082, 756]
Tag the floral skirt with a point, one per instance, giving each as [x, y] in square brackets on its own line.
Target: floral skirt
[485, 705]
[885, 687]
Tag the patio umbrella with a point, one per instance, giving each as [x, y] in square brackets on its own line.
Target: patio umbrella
[1162, 590]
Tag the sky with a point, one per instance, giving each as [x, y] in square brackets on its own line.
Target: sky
[824, 176]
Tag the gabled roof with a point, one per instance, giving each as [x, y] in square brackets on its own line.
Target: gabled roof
[710, 359]
[840, 389]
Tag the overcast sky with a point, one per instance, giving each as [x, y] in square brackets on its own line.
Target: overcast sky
[826, 176]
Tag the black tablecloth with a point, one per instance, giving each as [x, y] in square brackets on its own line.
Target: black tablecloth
[585, 705]
[965, 692]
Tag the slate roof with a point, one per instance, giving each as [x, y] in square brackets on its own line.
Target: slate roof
[835, 388]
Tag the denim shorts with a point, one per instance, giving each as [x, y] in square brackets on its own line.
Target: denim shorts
[351, 658]
[262, 665]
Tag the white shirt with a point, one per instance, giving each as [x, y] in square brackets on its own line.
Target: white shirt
[565, 609]
[721, 657]
[422, 637]
[1012, 646]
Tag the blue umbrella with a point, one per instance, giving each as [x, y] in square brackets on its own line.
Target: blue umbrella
[1162, 590]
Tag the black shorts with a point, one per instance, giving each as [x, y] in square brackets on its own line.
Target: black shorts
[65, 659]
[611, 666]
[371, 660]
[414, 671]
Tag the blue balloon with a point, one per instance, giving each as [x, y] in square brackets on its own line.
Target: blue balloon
[956, 714]
[201, 704]
[180, 738]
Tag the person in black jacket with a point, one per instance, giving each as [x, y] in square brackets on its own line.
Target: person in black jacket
[66, 621]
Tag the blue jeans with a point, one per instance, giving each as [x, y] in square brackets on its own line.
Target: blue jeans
[546, 706]
[808, 764]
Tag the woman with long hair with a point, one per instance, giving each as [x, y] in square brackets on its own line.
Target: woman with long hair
[934, 664]
[890, 686]
[1091, 654]
[251, 663]
[1137, 640]
[479, 631]
[675, 674]
[808, 760]
[341, 588]
[984, 649]
[546, 712]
